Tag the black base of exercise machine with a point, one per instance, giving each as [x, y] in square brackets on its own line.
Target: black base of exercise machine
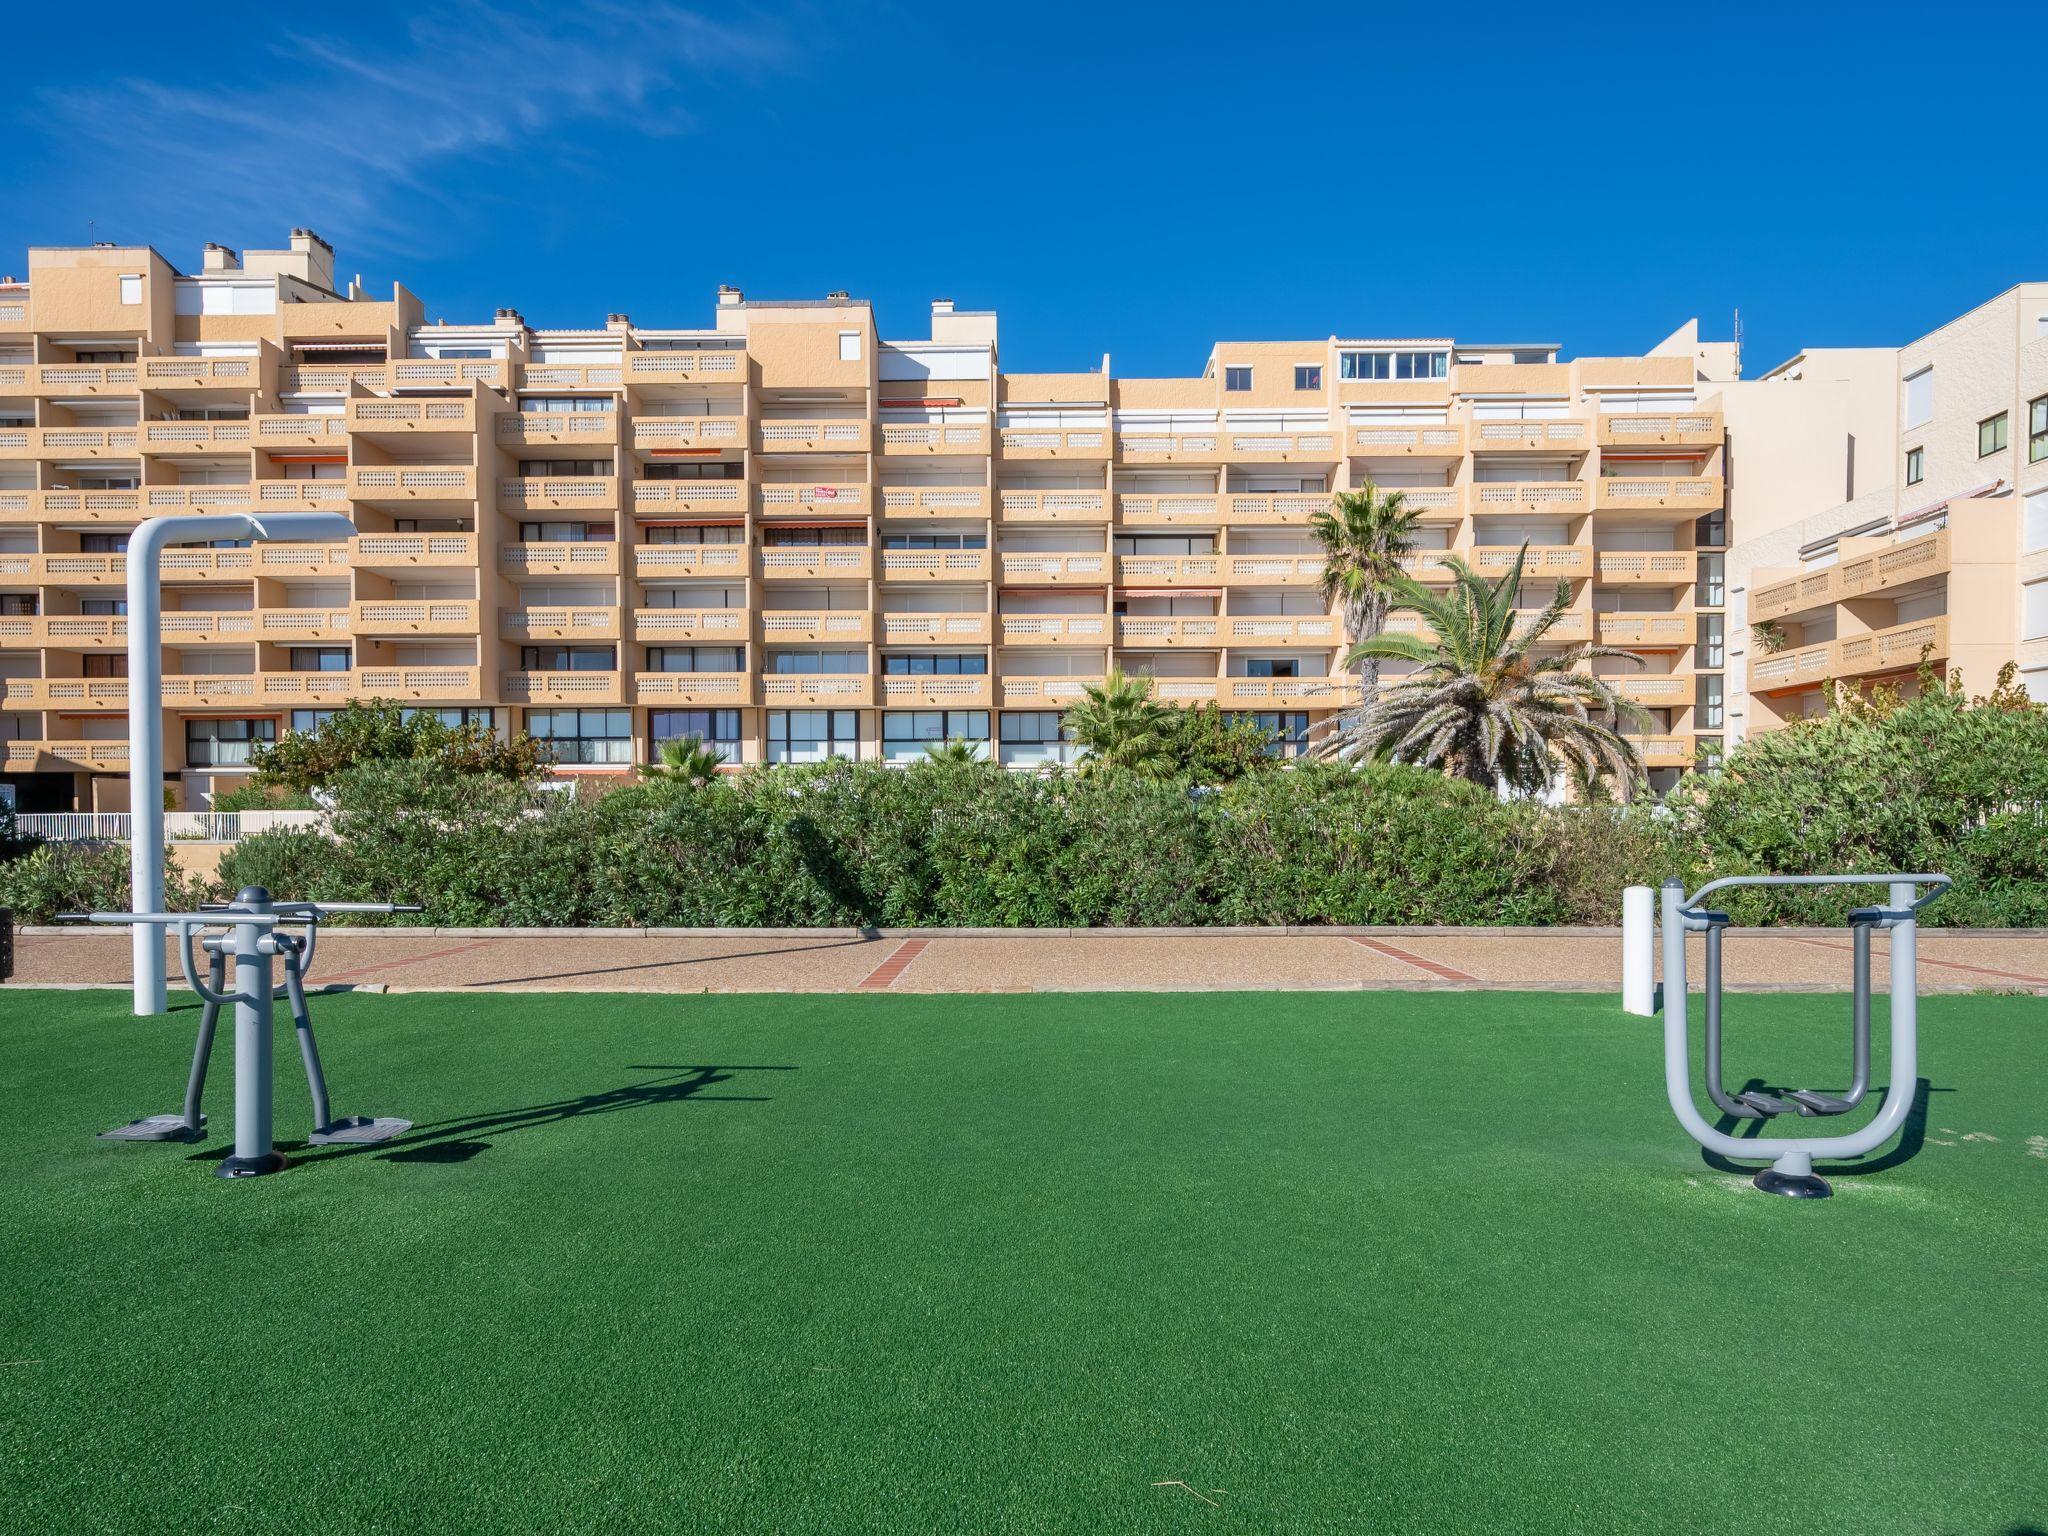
[1794, 1186]
[253, 1167]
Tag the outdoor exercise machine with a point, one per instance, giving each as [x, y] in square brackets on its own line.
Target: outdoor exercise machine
[1791, 1171]
[248, 939]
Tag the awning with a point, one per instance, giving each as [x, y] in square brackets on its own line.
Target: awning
[1936, 508]
[922, 404]
[1169, 592]
[781, 522]
[311, 458]
[367, 345]
[684, 453]
[693, 522]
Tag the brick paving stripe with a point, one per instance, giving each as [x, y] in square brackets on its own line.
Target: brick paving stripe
[1441, 972]
[884, 975]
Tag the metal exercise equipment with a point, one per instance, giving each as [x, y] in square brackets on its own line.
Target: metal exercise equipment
[1791, 1171]
[248, 940]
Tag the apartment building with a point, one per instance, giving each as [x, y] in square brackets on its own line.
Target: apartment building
[780, 533]
[1892, 504]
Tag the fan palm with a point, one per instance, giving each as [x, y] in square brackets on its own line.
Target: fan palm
[685, 760]
[1481, 704]
[1364, 534]
[952, 750]
[1119, 725]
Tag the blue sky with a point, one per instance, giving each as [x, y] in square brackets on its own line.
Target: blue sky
[1123, 179]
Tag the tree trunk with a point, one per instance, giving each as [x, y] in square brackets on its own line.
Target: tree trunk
[1366, 617]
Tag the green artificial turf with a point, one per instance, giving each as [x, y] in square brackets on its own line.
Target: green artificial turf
[1338, 1262]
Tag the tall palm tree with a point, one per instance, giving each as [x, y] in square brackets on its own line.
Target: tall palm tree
[952, 750]
[1364, 534]
[1481, 705]
[1118, 724]
[685, 760]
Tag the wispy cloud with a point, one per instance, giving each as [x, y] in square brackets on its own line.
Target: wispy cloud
[364, 141]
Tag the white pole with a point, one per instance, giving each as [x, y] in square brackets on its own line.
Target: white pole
[1638, 950]
[146, 704]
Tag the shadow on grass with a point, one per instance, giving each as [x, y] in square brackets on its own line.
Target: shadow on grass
[461, 1138]
[1912, 1135]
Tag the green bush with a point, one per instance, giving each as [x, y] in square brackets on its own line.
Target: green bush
[82, 877]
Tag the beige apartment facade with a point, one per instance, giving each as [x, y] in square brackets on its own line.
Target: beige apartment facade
[1890, 507]
[781, 533]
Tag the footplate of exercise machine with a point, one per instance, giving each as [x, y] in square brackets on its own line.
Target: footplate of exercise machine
[1812, 1103]
[1767, 1103]
[358, 1131]
[156, 1128]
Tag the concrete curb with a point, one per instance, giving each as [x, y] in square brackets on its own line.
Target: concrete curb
[1240, 931]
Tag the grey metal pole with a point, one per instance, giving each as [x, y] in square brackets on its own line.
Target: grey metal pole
[255, 1152]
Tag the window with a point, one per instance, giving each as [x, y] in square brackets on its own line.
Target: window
[306, 721]
[115, 665]
[719, 728]
[1393, 365]
[1308, 378]
[584, 735]
[849, 346]
[103, 605]
[538, 469]
[2034, 610]
[935, 666]
[812, 735]
[319, 658]
[1916, 465]
[1034, 737]
[103, 543]
[1271, 666]
[1289, 731]
[567, 658]
[19, 604]
[566, 533]
[697, 533]
[836, 663]
[935, 541]
[907, 732]
[2034, 527]
[695, 658]
[1991, 435]
[718, 469]
[225, 743]
[1237, 380]
[561, 405]
[131, 287]
[1919, 399]
[2037, 430]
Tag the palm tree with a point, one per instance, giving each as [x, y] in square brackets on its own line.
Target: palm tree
[685, 760]
[952, 750]
[1119, 725]
[1482, 705]
[1364, 534]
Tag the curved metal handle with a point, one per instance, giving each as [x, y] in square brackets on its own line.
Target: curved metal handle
[1940, 883]
[187, 932]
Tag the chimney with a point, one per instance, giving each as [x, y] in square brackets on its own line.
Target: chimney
[508, 317]
[218, 258]
[942, 306]
[316, 259]
[837, 295]
[729, 296]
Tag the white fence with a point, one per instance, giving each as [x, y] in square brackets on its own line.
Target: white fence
[118, 826]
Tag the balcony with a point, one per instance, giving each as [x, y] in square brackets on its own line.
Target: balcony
[574, 376]
[1287, 692]
[308, 688]
[63, 756]
[1054, 506]
[1272, 570]
[670, 626]
[1259, 510]
[1180, 509]
[1689, 496]
[729, 367]
[804, 436]
[1566, 497]
[461, 685]
[196, 437]
[300, 495]
[1890, 650]
[575, 493]
[78, 381]
[559, 429]
[906, 501]
[178, 565]
[813, 563]
[1795, 594]
[289, 626]
[1200, 447]
[1091, 443]
[436, 616]
[69, 442]
[1437, 440]
[408, 419]
[180, 691]
[231, 375]
[556, 623]
[291, 434]
[329, 378]
[563, 688]
[935, 565]
[910, 439]
[937, 692]
[1647, 631]
[413, 551]
[663, 498]
[1090, 568]
[1655, 690]
[849, 497]
[675, 562]
[689, 434]
[693, 688]
[1684, 429]
[1043, 692]
[1573, 626]
[592, 558]
[1567, 562]
[1663, 751]
[831, 690]
[63, 631]
[419, 485]
[25, 506]
[1090, 629]
[1561, 436]
[1185, 690]
[935, 629]
[1142, 632]
[791, 626]
[449, 372]
[1280, 629]
[1792, 669]
[1646, 568]
[1167, 570]
[1865, 570]
[1319, 447]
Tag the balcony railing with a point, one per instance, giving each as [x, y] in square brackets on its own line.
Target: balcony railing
[652, 433]
[937, 692]
[693, 688]
[26, 506]
[382, 417]
[68, 442]
[842, 690]
[1530, 436]
[849, 497]
[1260, 509]
[662, 626]
[456, 684]
[1680, 429]
[1056, 628]
[404, 551]
[104, 756]
[935, 565]
[664, 496]
[1888, 650]
[1864, 570]
[81, 379]
[934, 437]
[1663, 751]
[670, 562]
[804, 436]
[402, 485]
[568, 429]
[935, 501]
[432, 616]
[415, 372]
[1278, 629]
[1054, 506]
[935, 629]
[1793, 668]
[590, 493]
[1055, 443]
[591, 558]
[1647, 631]
[1690, 495]
[606, 376]
[850, 561]
[788, 626]
[685, 367]
[1651, 568]
[1089, 568]
[1143, 632]
[178, 565]
[559, 623]
[1170, 510]
[1435, 440]
[1656, 690]
[1553, 496]
[563, 687]
[275, 434]
[1043, 692]
[1167, 570]
[1319, 446]
[196, 436]
[1273, 570]
[237, 375]
[1568, 561]
[295, 626]
[1202, 446]
[1287, 692]
[300, 495]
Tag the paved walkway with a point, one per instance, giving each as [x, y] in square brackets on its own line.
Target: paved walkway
[939, 960]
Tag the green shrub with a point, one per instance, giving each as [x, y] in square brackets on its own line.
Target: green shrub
[83, 877]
